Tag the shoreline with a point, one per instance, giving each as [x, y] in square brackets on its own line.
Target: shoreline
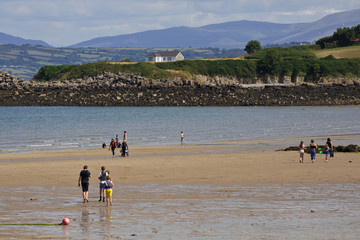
[271, 144]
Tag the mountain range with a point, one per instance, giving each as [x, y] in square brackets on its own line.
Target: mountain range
[230, 34]
[223, 35]
[8, 39]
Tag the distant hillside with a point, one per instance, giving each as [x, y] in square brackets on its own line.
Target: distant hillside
[230, 34]
[8, 39]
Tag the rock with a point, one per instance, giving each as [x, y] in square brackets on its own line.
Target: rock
[124, 89]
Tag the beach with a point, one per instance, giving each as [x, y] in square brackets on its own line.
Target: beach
[229, 190]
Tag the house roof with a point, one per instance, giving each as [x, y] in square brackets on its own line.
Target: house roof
[164, 54]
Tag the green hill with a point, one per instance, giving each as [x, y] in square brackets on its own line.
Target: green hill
[293, 61]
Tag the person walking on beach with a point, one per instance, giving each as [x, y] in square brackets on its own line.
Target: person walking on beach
[112, 146]
[182, 135]
[313, 147]
[125, 137]
[108, 186]
[102, 178]
[124, 149]
[331, 148]
[302, 151]
[84, 179]
[117, 141]
[327, 151]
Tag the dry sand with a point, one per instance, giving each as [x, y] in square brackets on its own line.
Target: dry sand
[199, 164]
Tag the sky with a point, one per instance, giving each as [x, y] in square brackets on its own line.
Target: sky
[62, 23]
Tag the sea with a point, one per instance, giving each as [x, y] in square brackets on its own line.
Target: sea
[33, 129]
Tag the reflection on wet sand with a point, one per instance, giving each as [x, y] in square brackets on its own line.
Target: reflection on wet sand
[267, 211]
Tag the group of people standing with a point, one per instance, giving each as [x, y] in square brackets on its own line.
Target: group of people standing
[124, 149]
[329, 150]
[106, 185]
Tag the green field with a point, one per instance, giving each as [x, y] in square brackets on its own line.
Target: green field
[341, 52]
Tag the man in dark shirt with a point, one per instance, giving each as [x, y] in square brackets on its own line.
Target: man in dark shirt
[84, 179]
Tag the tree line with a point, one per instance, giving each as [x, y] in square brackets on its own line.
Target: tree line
[341, 38]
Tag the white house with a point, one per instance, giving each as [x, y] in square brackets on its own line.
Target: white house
[164, 56]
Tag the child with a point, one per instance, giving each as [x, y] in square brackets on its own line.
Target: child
[331, 148]
[108, 186]
[117, 141]
[302, 151]
[108, 173]
[327, 151]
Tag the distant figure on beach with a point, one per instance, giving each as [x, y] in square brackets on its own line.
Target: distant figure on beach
[117, 141]
[124, 149]
[108, 186]
[313, 147]
[102, 177]
[112, 146]
[182, 135]
[84, 180]
[125, 137]
[331, 148]
[104, 145]
[302, 151]
[327, 151]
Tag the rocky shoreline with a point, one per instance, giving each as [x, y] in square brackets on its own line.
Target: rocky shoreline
[133, 90]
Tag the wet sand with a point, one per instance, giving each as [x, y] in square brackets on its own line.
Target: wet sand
[238, 190]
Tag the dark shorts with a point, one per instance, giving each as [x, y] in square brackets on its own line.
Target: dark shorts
[85, 186]
[102, 185]
[331, 153]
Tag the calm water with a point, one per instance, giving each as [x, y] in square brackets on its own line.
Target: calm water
[61, 128]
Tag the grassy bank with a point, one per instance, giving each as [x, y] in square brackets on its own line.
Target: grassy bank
[293, 61]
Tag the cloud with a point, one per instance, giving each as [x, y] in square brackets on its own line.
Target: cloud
[331, 11]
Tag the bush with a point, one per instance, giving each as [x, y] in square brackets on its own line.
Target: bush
[48, 73]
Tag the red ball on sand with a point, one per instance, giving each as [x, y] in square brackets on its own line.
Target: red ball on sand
[65, 221]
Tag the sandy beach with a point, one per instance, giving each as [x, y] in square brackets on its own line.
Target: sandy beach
[203, 191]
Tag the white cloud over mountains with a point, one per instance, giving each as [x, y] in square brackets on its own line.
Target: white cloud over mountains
[66, 22]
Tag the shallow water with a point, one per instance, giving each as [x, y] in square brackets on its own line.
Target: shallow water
[31, 129]
[284, 211]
